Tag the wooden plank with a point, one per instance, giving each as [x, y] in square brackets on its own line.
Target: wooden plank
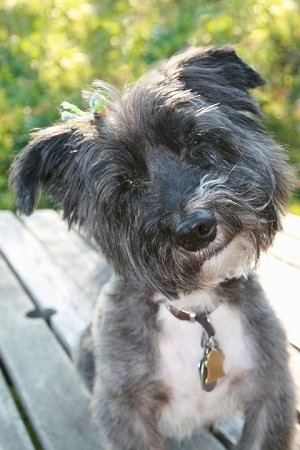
[287, 243]
[13, 434]
[297, 438]
[276, 272]
[286, 311]
[229, 431]
[46, 282]
[202, 440]
[75, 255]
[291, 225]
[280, 281]
[295, 367]
[286, 247]
[49, 387]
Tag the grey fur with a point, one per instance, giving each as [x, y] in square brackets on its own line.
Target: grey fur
[182, 188]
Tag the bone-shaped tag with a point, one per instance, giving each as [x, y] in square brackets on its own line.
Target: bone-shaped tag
[214, 365]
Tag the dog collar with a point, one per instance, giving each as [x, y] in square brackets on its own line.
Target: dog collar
[211, 365]
[191, 316]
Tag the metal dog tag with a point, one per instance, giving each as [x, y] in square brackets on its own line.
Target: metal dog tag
[203, 376]
[214, 365]
[211, 368]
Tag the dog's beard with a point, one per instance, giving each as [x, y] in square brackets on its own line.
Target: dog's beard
[171, 270]
[235, 260]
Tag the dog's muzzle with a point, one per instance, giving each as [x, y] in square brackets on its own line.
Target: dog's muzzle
[196, 231]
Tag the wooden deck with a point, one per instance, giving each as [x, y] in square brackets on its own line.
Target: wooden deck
[49, 279]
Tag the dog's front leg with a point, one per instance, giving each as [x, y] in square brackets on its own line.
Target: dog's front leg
[128, 422]
[127, 395]
[270, 424]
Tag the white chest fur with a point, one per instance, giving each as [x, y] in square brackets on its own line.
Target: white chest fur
[180, 351]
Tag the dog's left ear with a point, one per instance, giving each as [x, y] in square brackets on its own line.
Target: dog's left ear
[217, 74]
[50, 162]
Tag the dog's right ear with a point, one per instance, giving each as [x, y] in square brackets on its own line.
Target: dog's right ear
[47, 162]
[217, 74]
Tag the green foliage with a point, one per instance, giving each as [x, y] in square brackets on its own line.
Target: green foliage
[51, 50]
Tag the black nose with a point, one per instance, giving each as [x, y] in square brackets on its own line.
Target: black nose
[197, 231]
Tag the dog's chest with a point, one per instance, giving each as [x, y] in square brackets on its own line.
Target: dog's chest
[180, 352]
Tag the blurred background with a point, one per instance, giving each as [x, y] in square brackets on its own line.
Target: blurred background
[51, 50]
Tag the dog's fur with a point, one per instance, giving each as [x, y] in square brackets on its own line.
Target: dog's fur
[182, 188]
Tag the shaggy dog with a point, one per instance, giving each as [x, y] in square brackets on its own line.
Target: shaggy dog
[181, 187]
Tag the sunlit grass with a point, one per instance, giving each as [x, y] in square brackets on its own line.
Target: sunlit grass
[294, 207]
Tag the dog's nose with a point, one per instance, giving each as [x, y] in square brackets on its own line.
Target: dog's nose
[197, 231]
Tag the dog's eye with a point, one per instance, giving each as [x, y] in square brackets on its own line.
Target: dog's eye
[131, 182]
[127, 184]
[201, 155]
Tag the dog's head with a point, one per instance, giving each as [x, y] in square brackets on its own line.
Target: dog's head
[178, 182]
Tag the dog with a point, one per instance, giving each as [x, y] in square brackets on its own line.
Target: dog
[182, 188]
